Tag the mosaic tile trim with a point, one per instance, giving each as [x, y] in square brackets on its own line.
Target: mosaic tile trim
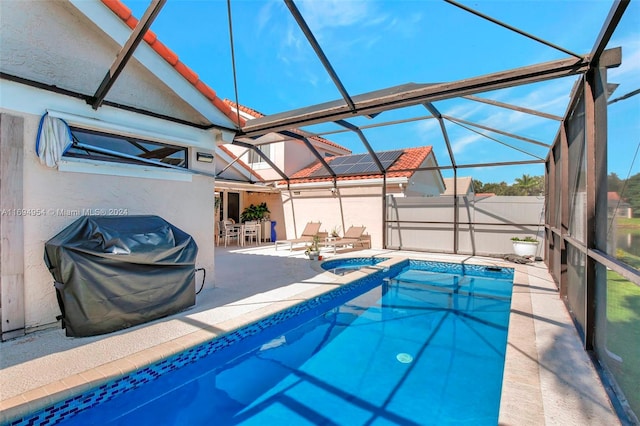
[463, 269]
[360, 261]
[60, 411]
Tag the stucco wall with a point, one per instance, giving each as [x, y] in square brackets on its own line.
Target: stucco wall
[64, 195]
[274, 204]
[69, 51]
[347, 207]
[425, 182]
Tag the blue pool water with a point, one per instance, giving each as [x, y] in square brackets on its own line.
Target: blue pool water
[409, 346]
[347, 265]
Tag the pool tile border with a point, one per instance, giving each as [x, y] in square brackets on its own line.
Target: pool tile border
[52, 403]
[56, 401]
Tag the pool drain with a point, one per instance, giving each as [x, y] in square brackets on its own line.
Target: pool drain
[404, 358]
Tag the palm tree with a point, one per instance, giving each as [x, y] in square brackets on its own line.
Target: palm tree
[529, 185]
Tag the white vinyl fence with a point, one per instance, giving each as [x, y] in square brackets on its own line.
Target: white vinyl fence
[486, 225]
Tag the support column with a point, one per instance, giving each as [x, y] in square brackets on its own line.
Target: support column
[11, 227]
[596, 238]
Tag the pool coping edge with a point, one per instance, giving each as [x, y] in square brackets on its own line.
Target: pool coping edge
[44, 396]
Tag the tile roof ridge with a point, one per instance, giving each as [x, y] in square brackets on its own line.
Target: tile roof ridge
[245, 109]
[124, 13]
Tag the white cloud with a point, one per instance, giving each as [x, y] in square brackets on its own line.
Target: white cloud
[550, 96]
[265, 16]
[629, 70]
[458, 147]
[320, 15]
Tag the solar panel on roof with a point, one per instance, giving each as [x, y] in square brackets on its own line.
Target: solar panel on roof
[389, 155]
[337, 160]
[363, 167]
[358, 163]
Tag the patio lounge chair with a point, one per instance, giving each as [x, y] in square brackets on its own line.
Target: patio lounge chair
[353, 237]
[310, 230]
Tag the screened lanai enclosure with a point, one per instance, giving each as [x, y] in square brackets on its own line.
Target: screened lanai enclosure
[575, 216]
[534, 132]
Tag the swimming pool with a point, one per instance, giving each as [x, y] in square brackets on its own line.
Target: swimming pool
[347, 265]
[396, 347]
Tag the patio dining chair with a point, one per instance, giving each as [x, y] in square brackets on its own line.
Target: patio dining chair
[250, 232]
[219, 231]
[231, 232]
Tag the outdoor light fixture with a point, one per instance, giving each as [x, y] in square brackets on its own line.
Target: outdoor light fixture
[204, 157]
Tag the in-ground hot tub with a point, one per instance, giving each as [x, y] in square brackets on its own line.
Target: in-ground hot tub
[350, 264]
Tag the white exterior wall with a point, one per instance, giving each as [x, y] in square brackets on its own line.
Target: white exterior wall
[298, 156]
[426, 183]
[350, 206]
[57, 198]
[54, 43]
[66, 49]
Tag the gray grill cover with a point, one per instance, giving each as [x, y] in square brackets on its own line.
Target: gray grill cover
[113, 272]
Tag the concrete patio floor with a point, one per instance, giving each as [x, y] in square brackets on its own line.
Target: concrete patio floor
[548, 379]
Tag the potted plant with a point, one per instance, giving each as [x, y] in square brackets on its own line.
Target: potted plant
[526, 247]
[255, 212]
[335, 232]
[313, 250]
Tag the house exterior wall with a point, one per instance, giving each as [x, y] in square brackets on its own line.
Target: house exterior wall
[54, 43]
[298, 156]
[357, 206]
[426, 183]
[57, 198]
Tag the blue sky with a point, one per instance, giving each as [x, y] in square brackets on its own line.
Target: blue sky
[378, 44]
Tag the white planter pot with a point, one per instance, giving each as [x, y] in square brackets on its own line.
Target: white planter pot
[525, 248]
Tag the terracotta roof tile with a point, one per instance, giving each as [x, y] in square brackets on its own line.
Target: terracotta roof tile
[411, 158]
[206, 90]
[187, 73]
[166, 53]
[124, 13]
[150, 37]
[223, 106]
[118, 8]
[131, 21]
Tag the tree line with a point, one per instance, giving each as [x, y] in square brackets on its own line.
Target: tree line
[524, 185]
[627, 189]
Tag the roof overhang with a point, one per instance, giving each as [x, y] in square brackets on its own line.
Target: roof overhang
[242, 186]
[346, 183]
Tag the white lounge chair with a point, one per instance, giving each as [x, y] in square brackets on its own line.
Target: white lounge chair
[310, 230]
[353, 237]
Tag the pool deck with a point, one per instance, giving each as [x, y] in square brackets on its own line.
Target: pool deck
[549, 379]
